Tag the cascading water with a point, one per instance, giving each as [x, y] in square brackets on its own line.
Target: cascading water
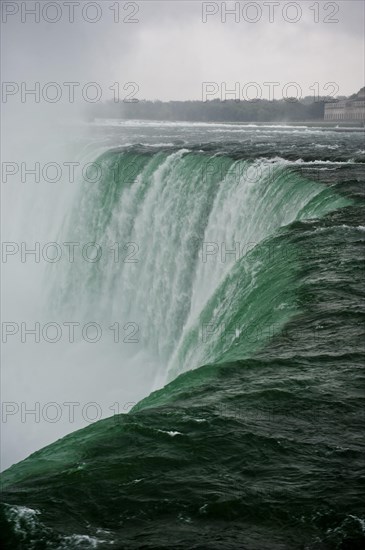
[182, 233]
[235, 276]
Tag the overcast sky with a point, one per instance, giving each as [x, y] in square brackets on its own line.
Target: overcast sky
[170, 51]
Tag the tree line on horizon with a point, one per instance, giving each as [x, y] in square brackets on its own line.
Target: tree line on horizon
[215, 110]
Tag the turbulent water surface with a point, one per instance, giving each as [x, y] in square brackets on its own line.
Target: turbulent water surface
[248, 301]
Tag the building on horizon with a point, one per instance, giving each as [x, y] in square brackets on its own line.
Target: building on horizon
[348, 110]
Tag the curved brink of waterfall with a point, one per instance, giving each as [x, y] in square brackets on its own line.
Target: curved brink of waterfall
[246, 291]
[192, 251]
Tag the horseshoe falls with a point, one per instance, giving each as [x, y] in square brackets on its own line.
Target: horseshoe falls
[216, 294]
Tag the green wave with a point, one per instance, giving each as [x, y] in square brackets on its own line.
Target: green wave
[259, 446]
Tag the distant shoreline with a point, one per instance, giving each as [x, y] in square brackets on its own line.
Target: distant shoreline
[324, 124]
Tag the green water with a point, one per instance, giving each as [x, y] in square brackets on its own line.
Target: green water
[255, 441]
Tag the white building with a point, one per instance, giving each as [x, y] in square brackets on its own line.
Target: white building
[347, 109]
